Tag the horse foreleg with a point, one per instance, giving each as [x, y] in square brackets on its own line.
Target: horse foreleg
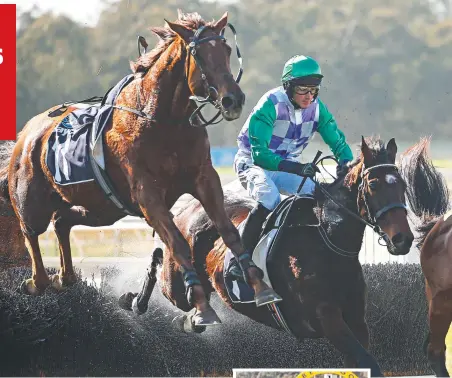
[138, 302]
[209, 192]
[341, 336]
[159, 217]
[358, 326]
[440, 317]
[354, 314]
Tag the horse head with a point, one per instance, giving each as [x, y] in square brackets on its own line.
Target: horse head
[208, 69]
[381, 194]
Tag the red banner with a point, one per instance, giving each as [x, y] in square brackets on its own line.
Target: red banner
[8, 71]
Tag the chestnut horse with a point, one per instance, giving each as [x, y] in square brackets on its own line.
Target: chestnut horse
[153, 154]
[429, 198]
[12, 244]
[314, 268]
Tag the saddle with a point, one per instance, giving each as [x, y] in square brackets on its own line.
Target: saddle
[301, 214]
[75, 147]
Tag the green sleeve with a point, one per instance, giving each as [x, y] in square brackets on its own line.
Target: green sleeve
[260, 132]
[331, 134]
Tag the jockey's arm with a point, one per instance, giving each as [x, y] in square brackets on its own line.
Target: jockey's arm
[260, 133]
[332, 136]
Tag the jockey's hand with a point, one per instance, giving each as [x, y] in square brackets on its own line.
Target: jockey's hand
[305, 170]
[309, 170]
[342, 168]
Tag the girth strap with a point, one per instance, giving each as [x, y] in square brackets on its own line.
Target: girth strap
[105, 183]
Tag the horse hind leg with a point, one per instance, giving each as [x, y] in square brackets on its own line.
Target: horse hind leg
[138, 302]
[34, 222]
[34, 217]
[63, 221]
[40, 280]
[440, 317]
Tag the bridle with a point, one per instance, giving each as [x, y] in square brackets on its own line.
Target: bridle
[371, 219]
[192, 48]
[386, 208]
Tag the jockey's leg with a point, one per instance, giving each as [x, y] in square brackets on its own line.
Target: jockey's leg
[288, 183]
[209, 192]
[253, 226]
[262, 189]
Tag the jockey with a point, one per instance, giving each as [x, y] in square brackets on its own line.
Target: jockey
[275, 134]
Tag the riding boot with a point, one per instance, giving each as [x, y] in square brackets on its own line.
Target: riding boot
[250, 238]
[253, 227]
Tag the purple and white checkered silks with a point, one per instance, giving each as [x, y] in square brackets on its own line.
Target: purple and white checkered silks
[293, 129]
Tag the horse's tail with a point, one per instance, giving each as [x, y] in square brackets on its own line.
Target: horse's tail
[6, 150]
[427, 191]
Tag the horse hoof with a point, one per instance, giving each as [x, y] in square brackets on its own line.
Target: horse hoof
[184, 323]
[136, 309]
[28, 287]
[57, 282]
[267, 296]
[206, 318]
[369, 362]
[125, 301]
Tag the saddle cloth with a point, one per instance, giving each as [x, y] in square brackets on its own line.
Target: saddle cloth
[68, 148]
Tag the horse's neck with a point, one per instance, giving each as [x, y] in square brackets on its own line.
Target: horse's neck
[345, 231]
[165, 92]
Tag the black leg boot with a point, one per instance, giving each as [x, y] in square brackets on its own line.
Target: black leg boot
[250, 238]
[253, 227]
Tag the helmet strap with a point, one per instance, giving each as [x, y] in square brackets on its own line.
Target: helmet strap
[289, 92]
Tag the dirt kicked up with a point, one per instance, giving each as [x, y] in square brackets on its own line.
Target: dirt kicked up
[83, 332]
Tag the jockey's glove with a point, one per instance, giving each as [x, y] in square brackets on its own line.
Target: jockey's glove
[342, 168]
[305, 170]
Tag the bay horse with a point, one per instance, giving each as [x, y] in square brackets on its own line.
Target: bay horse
[429, 199]
[318, 274]
[153, 151]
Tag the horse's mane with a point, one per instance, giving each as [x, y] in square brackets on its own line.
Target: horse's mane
[166, 37]
[379, 153]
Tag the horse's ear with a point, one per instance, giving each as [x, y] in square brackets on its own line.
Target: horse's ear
[181, 31]
[392, 150]
[221, 23]
[160, 32]
[365, 150]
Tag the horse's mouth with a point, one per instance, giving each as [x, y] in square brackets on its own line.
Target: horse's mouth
[400, 249]
[231, 114]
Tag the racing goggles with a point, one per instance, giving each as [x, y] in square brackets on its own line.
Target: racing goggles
[301, 90]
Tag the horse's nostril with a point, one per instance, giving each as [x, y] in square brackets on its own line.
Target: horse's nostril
[242, 98]
[227, 101]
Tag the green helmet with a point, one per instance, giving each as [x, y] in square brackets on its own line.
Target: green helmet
[300, 67]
